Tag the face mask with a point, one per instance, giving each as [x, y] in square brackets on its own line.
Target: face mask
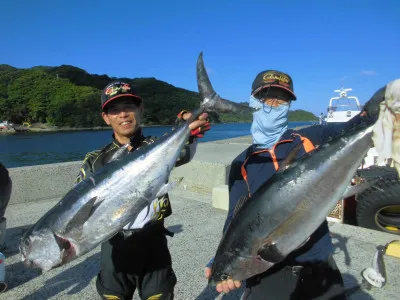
[255, 103]
[269, 123]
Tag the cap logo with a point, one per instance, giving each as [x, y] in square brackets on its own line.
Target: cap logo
[273, 77]
[123, 88]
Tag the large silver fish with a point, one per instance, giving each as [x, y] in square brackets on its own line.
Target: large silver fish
[101, 205]
[285, 211]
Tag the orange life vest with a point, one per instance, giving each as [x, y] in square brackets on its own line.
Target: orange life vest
[307, 144]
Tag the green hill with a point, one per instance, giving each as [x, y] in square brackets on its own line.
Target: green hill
[70, 96]
[300, 115]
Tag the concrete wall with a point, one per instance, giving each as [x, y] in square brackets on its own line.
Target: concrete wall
[42, 182]
[208, 169]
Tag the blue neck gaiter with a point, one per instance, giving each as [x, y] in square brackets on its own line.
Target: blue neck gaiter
[269, 123]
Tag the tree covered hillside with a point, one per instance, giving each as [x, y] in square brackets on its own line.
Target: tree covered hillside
[300, 115]
[69, 96]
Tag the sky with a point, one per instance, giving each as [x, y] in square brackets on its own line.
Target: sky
[322, 45]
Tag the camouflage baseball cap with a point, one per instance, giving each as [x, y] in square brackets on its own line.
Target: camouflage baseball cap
[117, 89]
[272, 78]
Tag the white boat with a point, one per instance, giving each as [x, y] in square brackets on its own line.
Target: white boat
[343, 107]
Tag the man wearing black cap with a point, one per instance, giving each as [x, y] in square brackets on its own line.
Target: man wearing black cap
[309, 272]
[138, 256]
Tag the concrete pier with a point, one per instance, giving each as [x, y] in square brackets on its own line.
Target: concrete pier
[196, 223]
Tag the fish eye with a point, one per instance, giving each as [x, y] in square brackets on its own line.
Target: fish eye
[27, 242]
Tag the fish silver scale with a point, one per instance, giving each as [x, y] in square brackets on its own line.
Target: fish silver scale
[290, 207]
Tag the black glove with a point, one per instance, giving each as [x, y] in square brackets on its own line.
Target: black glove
[372, 106]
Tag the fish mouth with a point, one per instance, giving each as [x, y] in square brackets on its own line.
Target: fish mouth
[24, 258]
[33, 265]
[67, 252]
[28, 263]
[61, 250]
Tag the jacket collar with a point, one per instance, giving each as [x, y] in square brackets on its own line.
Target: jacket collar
[136, 139]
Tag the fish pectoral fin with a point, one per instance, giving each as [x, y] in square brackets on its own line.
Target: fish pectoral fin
[270, 253]
[168, 187]
[291, 157]
[82, 215]
[252, 265]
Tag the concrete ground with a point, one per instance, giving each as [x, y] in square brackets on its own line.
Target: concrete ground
[197, 226]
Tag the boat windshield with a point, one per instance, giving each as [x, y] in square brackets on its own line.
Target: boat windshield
[343, 104]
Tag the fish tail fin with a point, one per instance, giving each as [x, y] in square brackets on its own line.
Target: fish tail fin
[209, 96]
[211, 101]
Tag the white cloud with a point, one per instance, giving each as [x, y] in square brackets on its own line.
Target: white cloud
[368, 73]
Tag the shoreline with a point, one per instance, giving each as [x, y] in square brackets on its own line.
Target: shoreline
[44, 128]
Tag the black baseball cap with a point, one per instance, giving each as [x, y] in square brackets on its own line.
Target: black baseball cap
[117, 89]
[272, 78]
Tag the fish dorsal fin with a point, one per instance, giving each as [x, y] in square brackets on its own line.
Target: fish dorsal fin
[120, 153]
[271, 253]
[291, 157]
[242, 200]
[82, 215]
